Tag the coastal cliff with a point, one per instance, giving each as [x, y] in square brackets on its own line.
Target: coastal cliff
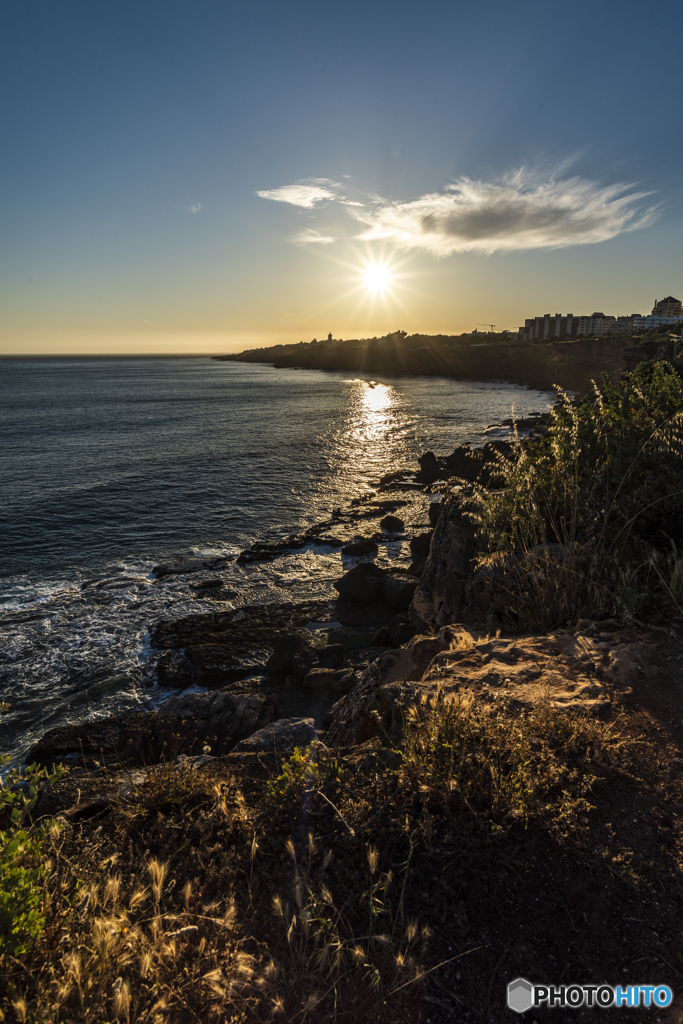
[572, 365]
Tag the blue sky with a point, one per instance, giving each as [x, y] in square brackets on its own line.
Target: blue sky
[477, 151]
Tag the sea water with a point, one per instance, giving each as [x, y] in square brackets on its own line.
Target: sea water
[111, 466]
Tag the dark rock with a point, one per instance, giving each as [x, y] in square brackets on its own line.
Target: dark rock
[188, 565]
[215, 665]
[326, 663]
[207, 585]
[435, 512]
[361, 613]
[174, 669]
[430, 468]
[319, 676]
[402, 631]
[440, 596]
[360, 547]
[286, 646]
[398, 589]
[377, 706]
[382, 638]
[191, 721]
[282, 736]
[419, 545]
[119, 740]
[392, 524]
[465, 463]
[97, 807]
[333, 652]
[361, 583]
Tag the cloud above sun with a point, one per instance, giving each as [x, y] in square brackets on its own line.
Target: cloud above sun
[309, 236]
[522, 210]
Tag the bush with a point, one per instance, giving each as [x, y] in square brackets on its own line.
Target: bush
[592, 509]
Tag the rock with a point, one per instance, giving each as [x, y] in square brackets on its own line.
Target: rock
[122, 738]
[382, 638]
[191, 721]
[320, 677]
[493, 588]
[365, 546]
[398, 589]
[187, 565]
[207, 584]
[361, 583]
[419, 545]
[392, 524]
[345, 682]
[174, 669]
[286, 646]
[334, 652]
[434, 512]
[215, 665]
[377, 705]
[440, 596]
[402, 631]
[282, 736]
[357, 613]
[430, 468]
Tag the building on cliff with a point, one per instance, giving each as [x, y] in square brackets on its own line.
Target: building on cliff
[668, 307]
[562, 327]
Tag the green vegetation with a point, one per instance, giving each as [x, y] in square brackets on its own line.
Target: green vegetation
[588, 522]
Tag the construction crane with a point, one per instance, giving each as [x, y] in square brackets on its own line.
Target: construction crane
[486, 325]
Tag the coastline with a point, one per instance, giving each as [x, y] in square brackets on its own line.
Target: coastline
[570, 365]
[402, 770]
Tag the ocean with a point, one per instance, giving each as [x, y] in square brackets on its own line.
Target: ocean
[111, 466]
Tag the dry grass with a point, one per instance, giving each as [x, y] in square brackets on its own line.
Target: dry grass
[188, 902]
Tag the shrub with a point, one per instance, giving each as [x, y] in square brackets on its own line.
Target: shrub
[592, 510]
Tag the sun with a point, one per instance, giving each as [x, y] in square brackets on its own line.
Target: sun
[377, 278]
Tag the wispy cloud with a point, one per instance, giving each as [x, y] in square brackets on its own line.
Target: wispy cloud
[519, 211]
[307, 193]
[195, 208]
[309, 235]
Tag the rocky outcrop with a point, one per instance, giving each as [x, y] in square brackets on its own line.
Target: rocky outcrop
[377, 705]
[441, 596]
[567, 671]
[192, 722]
[281, 736]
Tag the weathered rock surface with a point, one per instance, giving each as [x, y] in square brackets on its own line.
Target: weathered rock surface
[377, 704]
[358, 613]
[109, 741]
[192, 721]
[441, 596]
[364, 546]
[295, 647]
[392, 524]
[398, 589]
[283, 736]
[174, 669]
[361, 583]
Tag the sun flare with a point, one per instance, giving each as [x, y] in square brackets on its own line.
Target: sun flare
[377, 278]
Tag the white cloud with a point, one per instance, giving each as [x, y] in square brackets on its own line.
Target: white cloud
[195, 208]
[308, 235]
[307, 193]
[519, 211]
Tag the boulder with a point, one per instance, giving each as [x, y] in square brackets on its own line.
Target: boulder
[174, 669]
[434, 512]
[398, 589]
[191, 721]
[357, 613]
[366, 546]
[378, 704]
[318, 677]
[392, 524]
[281, 736]
[419, 544]
[440, 596]
[119, 740]
[334, 653]
[402, 631]
[430, 468]
[287, 646]
[382, 638]
[215, 665]
[361, 583]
